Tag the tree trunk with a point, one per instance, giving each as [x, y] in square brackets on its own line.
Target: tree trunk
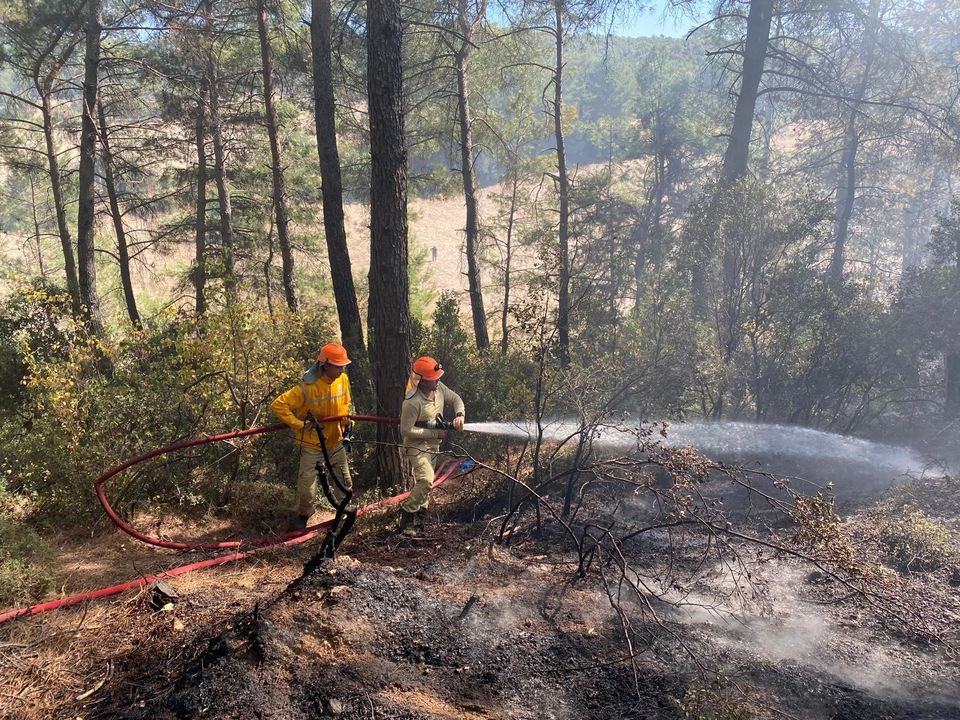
[279, 192]
[504, 317]
[122, 252]
[268, 288]
[847, 189]
[952, 370]
[36, 230]
[223, 187]
[754, 54]
[344, 292]
[846, 196]
[389, 284]
[87, 172]
[56, 186]
[470, 196]
[200, 241]
[952, 360]
[563, 188]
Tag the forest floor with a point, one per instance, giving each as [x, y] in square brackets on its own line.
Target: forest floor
[388, 630]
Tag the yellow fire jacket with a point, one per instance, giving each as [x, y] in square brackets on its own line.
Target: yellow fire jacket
[322, 398]
[417, 409]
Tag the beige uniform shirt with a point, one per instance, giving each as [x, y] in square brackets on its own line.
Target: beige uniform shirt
[418, 409]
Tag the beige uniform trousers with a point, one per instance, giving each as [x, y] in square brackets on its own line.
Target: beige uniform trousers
[307, 477]
[422, 463]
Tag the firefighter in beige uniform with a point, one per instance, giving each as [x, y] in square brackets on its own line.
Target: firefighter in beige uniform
[426, 398]
[324, 392]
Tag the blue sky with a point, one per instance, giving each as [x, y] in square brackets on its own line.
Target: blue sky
[655, 21]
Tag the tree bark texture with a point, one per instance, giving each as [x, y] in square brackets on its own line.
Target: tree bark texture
[344, 291]
[276, 157]
[123, 254]
[389, 284]
[86, 209]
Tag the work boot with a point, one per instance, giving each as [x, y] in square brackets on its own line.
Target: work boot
[419, 519]
[405, 525]
[301, 522]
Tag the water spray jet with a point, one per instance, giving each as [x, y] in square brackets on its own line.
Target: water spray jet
[815, 454]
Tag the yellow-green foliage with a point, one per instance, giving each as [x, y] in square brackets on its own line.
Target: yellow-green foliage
[916, 543]
[26, 564]
[181, 378]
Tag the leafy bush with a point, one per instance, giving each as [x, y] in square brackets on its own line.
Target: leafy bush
[26, 564]
[915, 543]
[181, 378]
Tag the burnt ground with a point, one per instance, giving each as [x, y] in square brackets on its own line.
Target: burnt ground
[387, 631]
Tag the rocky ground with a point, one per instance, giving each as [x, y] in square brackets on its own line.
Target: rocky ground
[449, 625]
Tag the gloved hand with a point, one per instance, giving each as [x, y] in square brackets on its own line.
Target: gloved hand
[458, 422]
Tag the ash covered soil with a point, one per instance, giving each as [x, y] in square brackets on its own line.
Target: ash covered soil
[388, 631]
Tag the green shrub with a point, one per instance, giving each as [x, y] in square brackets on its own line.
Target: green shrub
[26, 564]
[181, 378]
[915, 543]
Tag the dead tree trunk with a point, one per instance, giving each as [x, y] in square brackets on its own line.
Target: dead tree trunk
[86, 259]
[344, 292]
[389, 286]
[123, 254]
[276, 156]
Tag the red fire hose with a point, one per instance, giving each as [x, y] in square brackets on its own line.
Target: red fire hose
[261, 544]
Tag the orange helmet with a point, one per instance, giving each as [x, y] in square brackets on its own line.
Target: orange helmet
[333, 354]
[428, 368]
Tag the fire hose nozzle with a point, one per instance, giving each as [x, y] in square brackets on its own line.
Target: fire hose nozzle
[438, 423]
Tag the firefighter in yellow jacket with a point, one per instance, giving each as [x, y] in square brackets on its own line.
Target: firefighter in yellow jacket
[323, 392]
[425, 399]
